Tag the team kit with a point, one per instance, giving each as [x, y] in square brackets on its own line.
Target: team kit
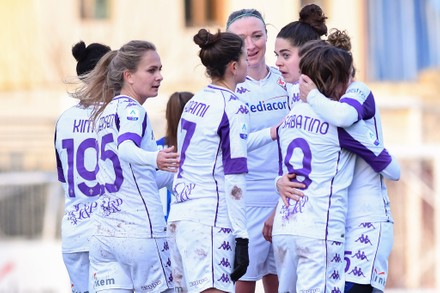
[278, 173]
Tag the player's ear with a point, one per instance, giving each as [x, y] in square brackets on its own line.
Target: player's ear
[128, 76]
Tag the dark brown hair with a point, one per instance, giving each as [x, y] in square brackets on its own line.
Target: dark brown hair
[310, 26]
[218, 50]
[174, 110]
[329, 67]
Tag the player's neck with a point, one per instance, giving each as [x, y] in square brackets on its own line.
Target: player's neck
[225, 84]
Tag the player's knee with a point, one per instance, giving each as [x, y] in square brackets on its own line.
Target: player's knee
[357, 288]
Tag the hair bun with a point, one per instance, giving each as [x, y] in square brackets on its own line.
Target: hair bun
[88, 57]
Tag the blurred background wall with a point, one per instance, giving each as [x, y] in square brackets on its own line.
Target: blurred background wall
[396, 47]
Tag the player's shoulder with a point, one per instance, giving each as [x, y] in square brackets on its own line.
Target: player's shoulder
[359, 88]
[76, 112]
[274, 70]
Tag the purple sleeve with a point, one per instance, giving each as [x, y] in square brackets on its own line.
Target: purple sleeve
[231, 165]
[359, 143]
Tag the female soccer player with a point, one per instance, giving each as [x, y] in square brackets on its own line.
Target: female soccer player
[207, 221]
[369, 224]
[173, 111]
[264, 92]
[308, 235]
[129, 250]
[76, 152]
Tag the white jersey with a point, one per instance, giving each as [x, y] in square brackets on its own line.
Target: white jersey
[212, 143]
[267, 102]
[368, 199]
[368, 196]
[293, 94]
[319, 154]
[129, 205]
[76, 153]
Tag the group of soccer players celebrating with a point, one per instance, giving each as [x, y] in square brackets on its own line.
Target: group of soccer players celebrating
[277, 175]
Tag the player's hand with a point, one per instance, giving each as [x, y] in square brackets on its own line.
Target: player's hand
[241, 258]
[305, 86]
[267, 228]
[168, 160]
[274, 130]
[288, 189]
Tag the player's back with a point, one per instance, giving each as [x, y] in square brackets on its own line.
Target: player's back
[130, 198]
[208, 141]
[76, 153]
[311, 149]
[368, 196]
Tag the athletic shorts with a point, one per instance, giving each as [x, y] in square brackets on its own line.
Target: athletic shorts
[142, 264]
[308, 265]
[261, 257]
[367, 248]
[77, 265]
[202, 256]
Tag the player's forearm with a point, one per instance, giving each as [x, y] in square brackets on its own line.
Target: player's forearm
[129, 152]
[235, 190]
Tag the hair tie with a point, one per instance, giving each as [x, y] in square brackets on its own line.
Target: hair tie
[244, 15]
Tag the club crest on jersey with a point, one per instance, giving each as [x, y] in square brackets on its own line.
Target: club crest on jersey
[133, 115]
[244, 131]
[282, 83]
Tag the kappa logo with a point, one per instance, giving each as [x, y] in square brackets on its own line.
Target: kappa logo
[243, 109]
[233, 98]
[242, 90]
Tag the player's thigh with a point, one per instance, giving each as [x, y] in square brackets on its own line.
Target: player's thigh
[286, 260]
[320, 265]
[261, 257]
[207, 255]
[368, 247]
[108, 273]
[148, 263]
[77, 265]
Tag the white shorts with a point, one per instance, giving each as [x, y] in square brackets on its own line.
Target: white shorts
[261, 257]
[367, 249]
[142, 264]
[77, 265]
[308, 265]
[202, 256]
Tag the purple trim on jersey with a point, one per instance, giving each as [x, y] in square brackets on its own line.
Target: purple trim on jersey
[144, 124]
[375, 128]
[280, 155]
[130, 136]
[216, 186]
[369, 107]
[378, 163]
[330, 198]
[60, 172]
[230, 165]
[117, 122]
[222, 89]
[143, 201]
[212, 259]
[366, 109]
[356, 105]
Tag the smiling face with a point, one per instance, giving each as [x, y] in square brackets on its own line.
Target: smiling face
[145, 81]
[287, 60]
[253, 32]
